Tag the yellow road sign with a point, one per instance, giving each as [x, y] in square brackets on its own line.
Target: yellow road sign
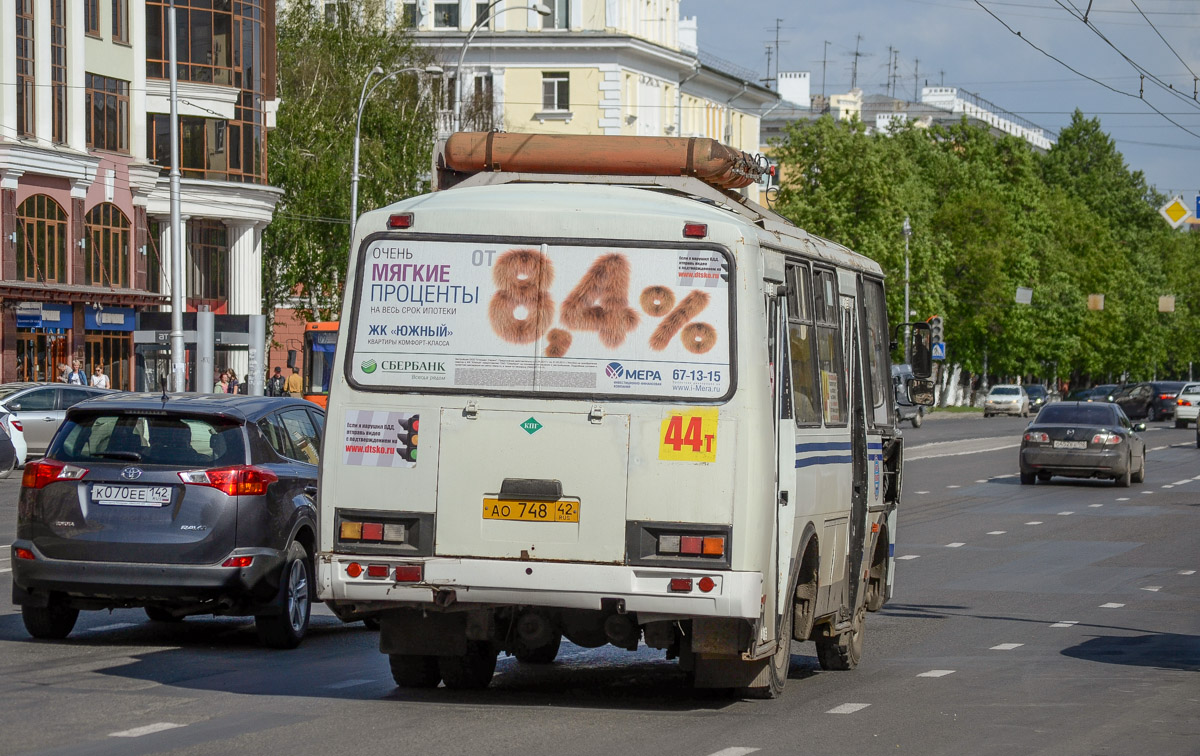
[1176, 212]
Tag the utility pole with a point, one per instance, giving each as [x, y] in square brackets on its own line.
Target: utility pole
[906, 230]
[942, 83]
[778, 22]
[178, 302]
[854, 70]
[888, 88]
[916, 77]
[895, 73]
[767, 81]
[824, 59]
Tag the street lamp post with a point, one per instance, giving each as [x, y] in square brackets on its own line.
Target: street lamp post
[362, 101]
[483, 18]
[906, 229]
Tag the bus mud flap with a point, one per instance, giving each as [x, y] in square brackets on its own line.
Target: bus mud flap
[416, 632]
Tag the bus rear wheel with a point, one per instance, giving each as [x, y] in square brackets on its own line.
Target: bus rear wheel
[843, 651]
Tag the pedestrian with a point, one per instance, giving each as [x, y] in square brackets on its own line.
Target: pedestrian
[233, 382]
[244, 386]
[99, 379]
[77, 376]
[64, 373]
[222, 385]
[294, 386]
[275, 384]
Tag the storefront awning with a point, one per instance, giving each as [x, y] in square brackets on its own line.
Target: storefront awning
[25, 291]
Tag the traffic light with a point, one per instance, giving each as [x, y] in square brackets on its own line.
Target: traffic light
[406, 438]
[935, 330]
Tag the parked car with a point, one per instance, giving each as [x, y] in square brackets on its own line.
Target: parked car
[190, 504]
[1149, 400]
[1006, 399]
[905, 410]
[41, 407]
[1187, 405]
[12, 427]
[1083, 440]
[1038, 395]
[1101, 393]
[8, 453]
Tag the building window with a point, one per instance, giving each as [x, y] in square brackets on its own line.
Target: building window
[560, 14]
[477, 107]
[40, 352]
[108, 247]
[26, 117]
[337, 12]
[483, 14]
[556, 91]
[208, 253]
[58, 69]
[445, 15]
[91, 18]
[113, 351]
[409, 14]
[107, 113]
[41, 240]
[120, 21]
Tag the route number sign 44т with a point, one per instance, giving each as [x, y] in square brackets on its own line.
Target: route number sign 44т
[531, 511]
[689, 435]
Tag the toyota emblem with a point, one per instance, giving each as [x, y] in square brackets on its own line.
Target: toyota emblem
[131, 473]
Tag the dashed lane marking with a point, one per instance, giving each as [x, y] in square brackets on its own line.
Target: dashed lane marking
[1035, 522]
[1095, 506]
[981, 481]
[1123, 498]
[997, 532]
[936, 673]
[955, 545]
[1111, 605]
[1181, 482]
[1153, 588]
[953, 486]
[910, 556]
[1159, 448]
[1006, 646]
[1168, 485]
[1148, 493]
[6, 569]
[734, 751]
[1066, 513]
[102, 628]
[1187, 572]
[149, 729]
[348, 684]
[1065, 623]
[921, 493]
[847, 708]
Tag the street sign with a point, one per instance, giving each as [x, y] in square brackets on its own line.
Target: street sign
[1176, 211]
[1024, 295]
[939, 350]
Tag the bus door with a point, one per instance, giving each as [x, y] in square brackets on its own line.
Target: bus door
[852, 348]
[785, 446]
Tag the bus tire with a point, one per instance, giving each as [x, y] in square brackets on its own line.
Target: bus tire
[843, 651]
[877, 575]
[471, 671]
[778, 665]
[415, 671]
[543, 654]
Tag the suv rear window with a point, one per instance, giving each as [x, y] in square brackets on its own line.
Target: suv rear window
[150, 439]
[528, 317]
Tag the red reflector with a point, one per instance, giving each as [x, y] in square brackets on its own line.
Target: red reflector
[400, 220]
[372, 531]
[681, 585]
[691, 545]
[707, 584]
[239, 561]
[24, 554]
[695, 230]
[377, 570]
[874, 527]
[354, 569]
[408, 573]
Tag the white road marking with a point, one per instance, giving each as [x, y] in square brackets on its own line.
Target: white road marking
[910, 556]
[953, 486]
[1006, 646]
[981, 481]
[997, 532]
[1181, 482]
[931, 450]
[921, 493]
[1094, 506]
[116, 626]
[1187, 572]
[1065, 623]
[1111, 605]
[954, 545]
[149, 729]
[1168, 485]
[1196, 478]
[1158, 448]
[6, 569]
[1148, 493]
[1123, 498]
[1009, 475]
[1153, 588]
[847, 708]
[1066, 513]
[936, 673]
[735, 751]
[1035, 522]
[348, 684]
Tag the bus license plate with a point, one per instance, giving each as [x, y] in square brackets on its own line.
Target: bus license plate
[131, 496]
[531, 511]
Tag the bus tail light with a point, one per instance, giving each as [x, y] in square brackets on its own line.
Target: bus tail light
[680, 585]
[372, 532]
[400, 220]
[695, 230]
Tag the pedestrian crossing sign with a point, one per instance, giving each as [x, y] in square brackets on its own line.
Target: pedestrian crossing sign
[939, 350]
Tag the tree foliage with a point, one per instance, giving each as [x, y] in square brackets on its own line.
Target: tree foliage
[322, 64]
[989, 215]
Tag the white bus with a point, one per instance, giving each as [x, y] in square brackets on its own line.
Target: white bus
[624, 410]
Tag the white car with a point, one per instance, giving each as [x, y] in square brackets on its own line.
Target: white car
[1187, 405]
[15, 434]
[1006, 399]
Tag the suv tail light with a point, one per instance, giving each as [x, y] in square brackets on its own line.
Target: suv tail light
[14, 422]
[241, 480]
[44, 472]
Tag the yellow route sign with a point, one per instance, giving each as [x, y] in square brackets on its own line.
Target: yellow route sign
[1176, 212]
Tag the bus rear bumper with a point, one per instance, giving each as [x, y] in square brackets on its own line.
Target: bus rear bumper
[480, 582]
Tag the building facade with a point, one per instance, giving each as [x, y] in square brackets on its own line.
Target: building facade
[84, 156]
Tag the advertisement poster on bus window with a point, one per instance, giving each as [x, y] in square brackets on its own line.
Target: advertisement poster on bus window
[543, 318]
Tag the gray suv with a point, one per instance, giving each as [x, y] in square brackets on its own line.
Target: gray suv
[905, 410]
[188, 504]
[41, 407]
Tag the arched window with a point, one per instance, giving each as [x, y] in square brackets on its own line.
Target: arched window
[41, 240]
[108, 246]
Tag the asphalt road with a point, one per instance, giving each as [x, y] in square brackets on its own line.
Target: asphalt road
[1059, 618]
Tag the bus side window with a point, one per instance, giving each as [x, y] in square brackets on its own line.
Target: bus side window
[829, 350]
[877, 348]
[805, 395]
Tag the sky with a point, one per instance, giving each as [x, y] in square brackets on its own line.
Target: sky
[961, 43]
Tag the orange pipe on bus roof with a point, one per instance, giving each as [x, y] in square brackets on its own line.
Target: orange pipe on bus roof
[706, 159]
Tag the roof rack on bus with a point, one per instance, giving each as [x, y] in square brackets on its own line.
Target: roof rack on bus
[691, 166]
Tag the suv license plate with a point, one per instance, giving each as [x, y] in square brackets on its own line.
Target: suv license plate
[531, 511]
[1070, 444]
[131, 496]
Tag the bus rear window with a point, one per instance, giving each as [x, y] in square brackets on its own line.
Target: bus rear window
[520, 318]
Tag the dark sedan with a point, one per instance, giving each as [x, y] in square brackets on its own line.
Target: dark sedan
[1151, 400]
[1038, 395]
[1083, 440]
[188, 504]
